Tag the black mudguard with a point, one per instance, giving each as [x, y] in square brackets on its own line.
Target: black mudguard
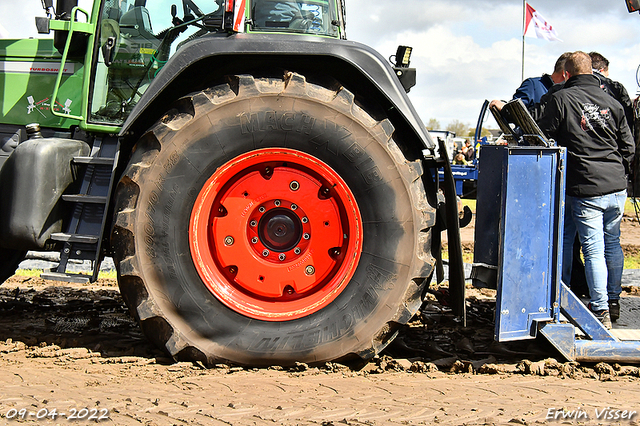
[207, 60]
[34, 179]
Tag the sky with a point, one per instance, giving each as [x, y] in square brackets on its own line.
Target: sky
[465, 51]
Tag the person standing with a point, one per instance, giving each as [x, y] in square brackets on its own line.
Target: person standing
[470, 152]
[600, 67]
[532, 89]
[592, 126]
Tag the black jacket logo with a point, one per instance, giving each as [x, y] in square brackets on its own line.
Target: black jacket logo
[594, 117]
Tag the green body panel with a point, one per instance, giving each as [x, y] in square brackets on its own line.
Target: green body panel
[28, 72]
[89, 91]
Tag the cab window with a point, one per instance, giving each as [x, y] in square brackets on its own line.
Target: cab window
[309, 16]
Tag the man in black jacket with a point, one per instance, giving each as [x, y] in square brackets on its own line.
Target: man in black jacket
[600, 67]
[592, 125]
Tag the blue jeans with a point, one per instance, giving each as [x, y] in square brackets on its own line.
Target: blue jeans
[597, 220]
[568, 238]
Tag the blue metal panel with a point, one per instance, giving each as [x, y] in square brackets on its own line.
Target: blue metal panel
[487, 229]
[460, 175]
[529, 223]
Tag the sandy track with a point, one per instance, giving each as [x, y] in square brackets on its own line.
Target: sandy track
[135, 391]
[71, 347]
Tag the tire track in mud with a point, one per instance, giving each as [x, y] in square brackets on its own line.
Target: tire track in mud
[69, 347]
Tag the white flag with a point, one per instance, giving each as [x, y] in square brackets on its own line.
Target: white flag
[538, 27]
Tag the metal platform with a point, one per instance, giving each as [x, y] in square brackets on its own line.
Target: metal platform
[628, 325]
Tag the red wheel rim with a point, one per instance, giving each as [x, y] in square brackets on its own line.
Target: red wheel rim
[275, 234]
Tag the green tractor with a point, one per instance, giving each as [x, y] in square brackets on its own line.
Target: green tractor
[264, 186]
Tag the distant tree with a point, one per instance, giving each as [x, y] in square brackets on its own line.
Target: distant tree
[433, 124]
[458, 127]
[484, 132]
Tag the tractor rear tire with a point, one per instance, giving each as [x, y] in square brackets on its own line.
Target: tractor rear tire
[271, 221]
[10, 260]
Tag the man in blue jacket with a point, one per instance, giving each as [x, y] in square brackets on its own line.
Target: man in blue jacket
[532, 89]
[592, 125]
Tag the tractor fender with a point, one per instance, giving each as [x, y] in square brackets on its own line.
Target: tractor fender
[207, 60]
[34, 179]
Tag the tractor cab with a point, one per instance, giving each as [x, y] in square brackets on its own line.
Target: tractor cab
[137, 37]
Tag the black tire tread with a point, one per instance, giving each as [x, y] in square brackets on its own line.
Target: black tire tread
[123, 239]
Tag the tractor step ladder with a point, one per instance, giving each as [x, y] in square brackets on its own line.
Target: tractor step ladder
[83, 237]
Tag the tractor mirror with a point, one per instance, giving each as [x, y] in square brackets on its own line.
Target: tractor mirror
[633, 5]
[42, 25]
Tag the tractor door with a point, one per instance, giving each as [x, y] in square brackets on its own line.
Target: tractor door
[136, 38]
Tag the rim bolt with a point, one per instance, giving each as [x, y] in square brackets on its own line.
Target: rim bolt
[309, 270]
[282, 256]
[253, 223]
[306, 236]
[305, 219]
[254, 240]
[294, 206]
[297, 250]
[294, 185]
[265, 252]
[228, 241]
[276, 203]
[261, 209]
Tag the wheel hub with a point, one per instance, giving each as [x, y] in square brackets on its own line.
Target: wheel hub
[275, 234]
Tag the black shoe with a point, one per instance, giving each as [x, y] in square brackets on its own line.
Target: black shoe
[614, 310]
[602, 316]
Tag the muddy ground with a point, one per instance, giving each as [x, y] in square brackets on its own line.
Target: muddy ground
[71, 354]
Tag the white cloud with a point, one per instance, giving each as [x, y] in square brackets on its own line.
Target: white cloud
[467, 51]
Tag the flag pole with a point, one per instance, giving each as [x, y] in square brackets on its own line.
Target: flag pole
[524, 19]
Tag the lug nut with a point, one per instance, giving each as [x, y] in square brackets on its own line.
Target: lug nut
[276, 203]
[294, 185]
[297, 250]
[306, 236]
[253, 223]
[305, 219]
[309, 270]
[254, 240]
[265, 252]
[282, 256]
[294, 206]
[261, 209]
[228, 241]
